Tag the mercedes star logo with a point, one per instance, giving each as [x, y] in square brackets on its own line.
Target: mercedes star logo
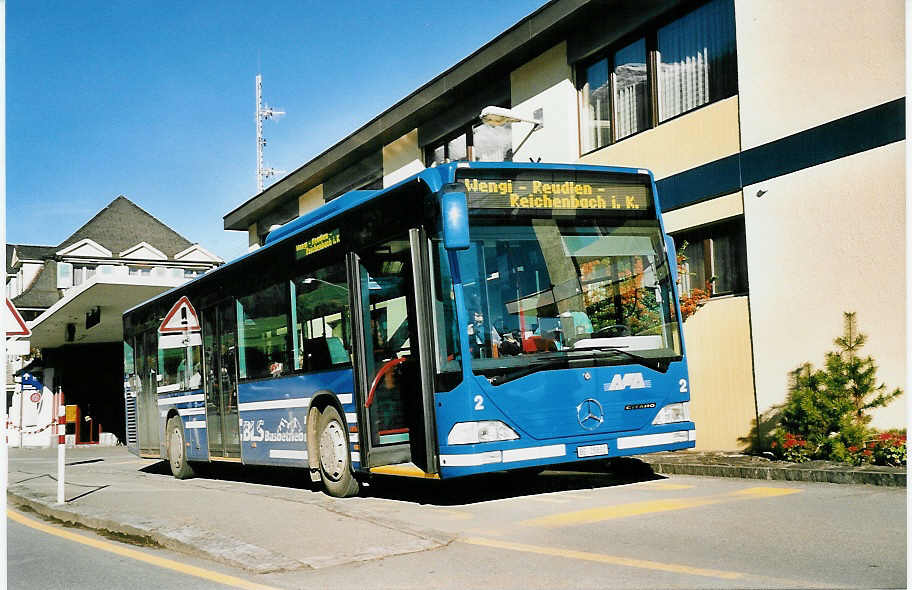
[589, 413]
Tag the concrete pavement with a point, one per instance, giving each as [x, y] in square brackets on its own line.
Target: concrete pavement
[259, 529]
[275, 520]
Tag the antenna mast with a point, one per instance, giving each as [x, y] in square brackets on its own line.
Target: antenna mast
[263, 112]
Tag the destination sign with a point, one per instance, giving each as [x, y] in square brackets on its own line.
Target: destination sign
[531, 194]
[317, 244]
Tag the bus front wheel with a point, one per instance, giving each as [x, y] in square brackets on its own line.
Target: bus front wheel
[177, 455]
[335, 455]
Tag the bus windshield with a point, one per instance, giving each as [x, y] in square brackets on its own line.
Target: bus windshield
[566, 288]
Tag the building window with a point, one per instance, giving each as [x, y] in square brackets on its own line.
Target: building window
[82, 273]
[631, 89]
[492, 144]
[595, 96]
[140, 271]
[716, 258]
[696, 57]
[674, 67]
[479, 143]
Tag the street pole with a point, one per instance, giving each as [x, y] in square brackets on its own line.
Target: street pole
[61, 447]
[4, 451]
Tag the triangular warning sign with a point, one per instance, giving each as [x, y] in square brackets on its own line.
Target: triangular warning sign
[181, 318]
[13, 324]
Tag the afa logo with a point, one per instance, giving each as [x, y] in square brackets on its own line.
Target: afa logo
[628, 381]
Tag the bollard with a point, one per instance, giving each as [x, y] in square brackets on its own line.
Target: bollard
[61, 447]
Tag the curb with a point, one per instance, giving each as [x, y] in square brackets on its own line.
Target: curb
[790, 472]
[188, 540]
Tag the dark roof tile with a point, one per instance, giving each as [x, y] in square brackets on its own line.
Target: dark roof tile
[123, 224]
[42, 293]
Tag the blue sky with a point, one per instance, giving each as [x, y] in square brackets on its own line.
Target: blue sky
[155, 100]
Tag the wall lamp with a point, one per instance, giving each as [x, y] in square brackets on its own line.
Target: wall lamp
[499, 116]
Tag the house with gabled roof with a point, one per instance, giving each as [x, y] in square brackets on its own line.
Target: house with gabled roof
[73, 295]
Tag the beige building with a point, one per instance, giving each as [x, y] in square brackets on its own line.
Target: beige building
[775, 131]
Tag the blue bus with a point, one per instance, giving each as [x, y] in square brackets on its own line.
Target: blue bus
[474, 317]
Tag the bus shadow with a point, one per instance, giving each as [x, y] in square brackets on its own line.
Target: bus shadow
[285, 477]
[504, 485]
[466, 490]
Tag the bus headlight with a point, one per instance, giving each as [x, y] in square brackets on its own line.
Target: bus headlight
[466, 433]
[679, 412]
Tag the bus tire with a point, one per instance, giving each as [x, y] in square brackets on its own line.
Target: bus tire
[177, 454]
[335, 455]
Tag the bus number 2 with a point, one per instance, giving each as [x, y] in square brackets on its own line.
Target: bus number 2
[479, 402]
[683, 384]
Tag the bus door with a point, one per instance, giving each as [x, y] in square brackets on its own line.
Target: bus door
[220, 357]
[395, 396]
[147, 402]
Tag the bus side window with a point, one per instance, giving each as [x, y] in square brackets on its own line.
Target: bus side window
[262, 331]
[322, 319]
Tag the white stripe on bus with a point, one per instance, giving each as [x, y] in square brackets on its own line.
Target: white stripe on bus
[534, 453]
[181, 399]
[287, 454]
[650, 440]
[192, 411]
[508, 456]
[345, 398]
[195, 424]
[351, 417]
[471, 459]
[275, 404]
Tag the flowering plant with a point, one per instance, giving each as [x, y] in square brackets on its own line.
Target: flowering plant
[791, 447]
[889, 448]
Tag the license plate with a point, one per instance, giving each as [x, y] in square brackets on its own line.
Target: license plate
[591, 451]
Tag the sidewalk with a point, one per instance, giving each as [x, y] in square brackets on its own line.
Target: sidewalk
[259, 528]
[751, 467]
[263, 520]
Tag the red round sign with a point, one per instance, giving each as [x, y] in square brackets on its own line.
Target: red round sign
[35, 397]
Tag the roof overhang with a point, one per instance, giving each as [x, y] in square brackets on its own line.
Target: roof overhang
[112, 295]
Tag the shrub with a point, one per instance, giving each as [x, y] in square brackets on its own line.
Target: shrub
[826, 408]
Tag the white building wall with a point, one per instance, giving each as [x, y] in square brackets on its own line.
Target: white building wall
[401, 159]
[822, 241]
[802, 63]
[546, 83]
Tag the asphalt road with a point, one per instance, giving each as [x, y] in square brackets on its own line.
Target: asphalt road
[558, 530]
[53, 557]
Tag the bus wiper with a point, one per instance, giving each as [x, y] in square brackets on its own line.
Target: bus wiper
[656, 364]
[537, 365]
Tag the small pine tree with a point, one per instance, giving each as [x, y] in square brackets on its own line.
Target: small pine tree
[835, 399]
[857, 376]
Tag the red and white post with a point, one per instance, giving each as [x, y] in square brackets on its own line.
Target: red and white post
[61, 446]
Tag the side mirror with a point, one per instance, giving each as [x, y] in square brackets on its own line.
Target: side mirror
[455, 212]
[672, 257]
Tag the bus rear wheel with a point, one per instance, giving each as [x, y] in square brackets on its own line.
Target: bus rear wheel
[335, 456]
[177, 456]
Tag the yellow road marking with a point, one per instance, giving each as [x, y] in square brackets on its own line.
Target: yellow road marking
[637, 508]
[137, 555]
[601, 558]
